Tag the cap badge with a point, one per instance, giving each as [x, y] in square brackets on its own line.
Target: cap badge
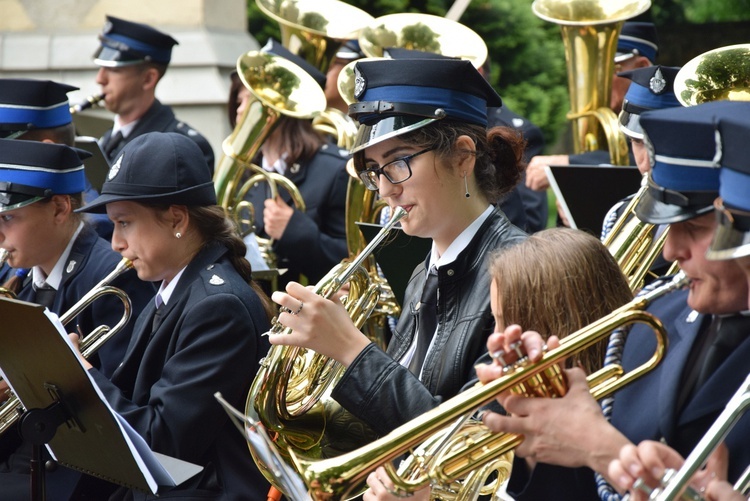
[359, 83]
[216, 280]
[71, 266]
[658, 83]
[115, 168]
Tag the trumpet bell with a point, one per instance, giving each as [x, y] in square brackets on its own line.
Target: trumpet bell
[422, 32]
[721, 74]
[315, 29]
[584, 13]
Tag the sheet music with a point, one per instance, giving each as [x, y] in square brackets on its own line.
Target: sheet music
[560, 198]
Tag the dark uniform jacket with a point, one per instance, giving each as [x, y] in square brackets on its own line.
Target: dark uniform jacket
[647, 408]
[374, 383]
[159, 118]
[208, 340]
[90, 260]
[314, 241]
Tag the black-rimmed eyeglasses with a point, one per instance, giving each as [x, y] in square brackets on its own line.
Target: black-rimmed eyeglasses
[396, 171]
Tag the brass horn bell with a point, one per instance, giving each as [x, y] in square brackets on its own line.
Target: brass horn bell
[721, 74]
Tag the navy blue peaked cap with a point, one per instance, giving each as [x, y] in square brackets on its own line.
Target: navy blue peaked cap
[125, 43]
[401, 95]
[27, 104]
[158, 167]
[732, 237]
[652, 88]
[33, 170]
[684, 179]
[637, 39]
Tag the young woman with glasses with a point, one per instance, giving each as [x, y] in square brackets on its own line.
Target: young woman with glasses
[423, 144]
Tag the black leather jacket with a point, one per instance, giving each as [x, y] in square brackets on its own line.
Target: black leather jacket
[384, 394]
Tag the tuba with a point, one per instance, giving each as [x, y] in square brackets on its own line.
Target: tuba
[339, 477]
[278, 87]
[290, 394]
[12, 409]
[675, 481]
[589, 31]
[717, 75]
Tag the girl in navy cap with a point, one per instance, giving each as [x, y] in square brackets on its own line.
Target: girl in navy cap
[423, 144]
[41, 185]
[202, 332]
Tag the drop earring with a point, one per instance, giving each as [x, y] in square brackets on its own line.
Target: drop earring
[466, 186]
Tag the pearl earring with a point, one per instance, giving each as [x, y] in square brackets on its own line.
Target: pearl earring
[178, 235]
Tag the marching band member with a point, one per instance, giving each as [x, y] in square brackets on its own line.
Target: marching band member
[679, 399]
[423, 144]
[731, 240]
[312, 241]
[201, 333]
[41, 185]
[132, 59]
[546, 282]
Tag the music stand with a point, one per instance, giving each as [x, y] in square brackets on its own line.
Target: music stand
[96, 166]
[68, 413]
[397, 256]
[587, 192]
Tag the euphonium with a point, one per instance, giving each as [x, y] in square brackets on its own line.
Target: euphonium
[631, 242]
[92, 101]
[278, 87]
[589, 30]
[676, 481]
[12, 409]
[290, 394]
[717, 75]
[338, 477]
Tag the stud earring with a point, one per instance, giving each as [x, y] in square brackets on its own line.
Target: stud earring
[178, 235]
[466, 186]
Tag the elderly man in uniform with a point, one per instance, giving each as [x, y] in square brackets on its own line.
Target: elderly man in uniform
[567, 438]
[132, 59]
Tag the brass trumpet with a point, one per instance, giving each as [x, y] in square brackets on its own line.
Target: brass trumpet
[12, 409]
[4, 254]
[93, 101]
[676, 481]
[341, 476]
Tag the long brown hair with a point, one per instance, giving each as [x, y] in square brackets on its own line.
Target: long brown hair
[558, 281]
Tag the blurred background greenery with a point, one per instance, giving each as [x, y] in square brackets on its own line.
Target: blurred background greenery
[528, 63]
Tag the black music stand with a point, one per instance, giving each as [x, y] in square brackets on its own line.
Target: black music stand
[96, 166]
[68, 413]
[587, 192]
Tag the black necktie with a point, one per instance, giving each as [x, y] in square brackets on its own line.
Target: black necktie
[427, 322]
[44, 295]
[113, 142]
[157, 319]
[730, 333]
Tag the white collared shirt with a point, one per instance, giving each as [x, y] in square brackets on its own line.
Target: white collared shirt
[448, 257]
[125, 130]
[165, 292]
[55, 277]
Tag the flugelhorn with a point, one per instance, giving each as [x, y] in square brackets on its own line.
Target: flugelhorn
[338, 477]
[92, 101]
[590, 29]
[675, 482]
[12, 409]
[290, 394]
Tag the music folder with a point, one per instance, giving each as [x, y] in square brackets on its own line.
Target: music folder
[587, 192]
[41, 367]
[397, 256]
